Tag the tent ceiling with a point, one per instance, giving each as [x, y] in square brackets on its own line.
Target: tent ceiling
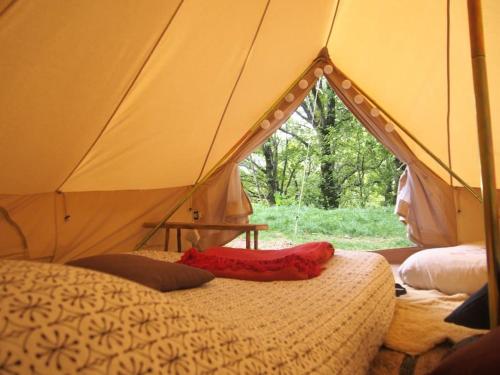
[63, 68]
[396, 52]
[68, 74]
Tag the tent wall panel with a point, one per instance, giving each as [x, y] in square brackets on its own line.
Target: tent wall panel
[470, 219]
[291, 31]
[35, 216]
[11, 241]
[174, 109]
[122, 101]
[107, 222]
[64, 67]
[415, 97]
[407, 72]
[97, 222]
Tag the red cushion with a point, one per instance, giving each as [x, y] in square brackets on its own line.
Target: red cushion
[297, 263]
[318, 252]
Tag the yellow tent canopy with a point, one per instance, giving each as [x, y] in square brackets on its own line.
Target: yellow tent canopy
[111, 110]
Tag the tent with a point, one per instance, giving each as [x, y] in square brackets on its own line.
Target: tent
[113, 111]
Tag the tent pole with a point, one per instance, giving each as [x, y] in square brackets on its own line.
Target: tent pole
[492, 234]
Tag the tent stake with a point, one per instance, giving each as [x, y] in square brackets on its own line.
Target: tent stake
[492, 235]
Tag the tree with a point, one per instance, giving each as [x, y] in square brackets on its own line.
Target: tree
[324, 111]
[324, 145]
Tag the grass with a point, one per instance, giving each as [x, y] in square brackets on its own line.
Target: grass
[345, 228]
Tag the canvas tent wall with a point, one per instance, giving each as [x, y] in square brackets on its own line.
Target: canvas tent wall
[112, 111]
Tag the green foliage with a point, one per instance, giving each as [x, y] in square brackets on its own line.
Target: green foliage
[346, 228]
[323, 157]
[324, 160]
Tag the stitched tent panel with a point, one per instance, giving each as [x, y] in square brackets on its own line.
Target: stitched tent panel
[65, 68]
[406, 72]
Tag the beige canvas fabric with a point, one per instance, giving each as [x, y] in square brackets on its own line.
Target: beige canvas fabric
[121, 101]
[425, 202]
[396, 51]
[96, 222]
[222, 197]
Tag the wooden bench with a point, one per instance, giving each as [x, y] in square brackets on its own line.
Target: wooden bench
[247, 228]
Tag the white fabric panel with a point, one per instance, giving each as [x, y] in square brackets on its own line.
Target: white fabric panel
[162, 132]
[63, 67]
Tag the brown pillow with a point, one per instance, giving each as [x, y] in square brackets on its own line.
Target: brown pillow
[159, 275]
[478, 358]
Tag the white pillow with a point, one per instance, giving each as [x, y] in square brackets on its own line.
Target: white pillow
[451, 270]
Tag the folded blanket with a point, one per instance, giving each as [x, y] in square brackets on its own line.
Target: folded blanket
[296, 263]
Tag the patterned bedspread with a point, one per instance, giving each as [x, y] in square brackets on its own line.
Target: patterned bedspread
[58, 319]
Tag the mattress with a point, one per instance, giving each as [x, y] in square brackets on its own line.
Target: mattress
[59, 319]
[332, 324]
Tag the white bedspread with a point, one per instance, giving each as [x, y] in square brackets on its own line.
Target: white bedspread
[57, 319]
[332, 324]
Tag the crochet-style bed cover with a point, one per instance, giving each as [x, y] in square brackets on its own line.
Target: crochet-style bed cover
[56, 319]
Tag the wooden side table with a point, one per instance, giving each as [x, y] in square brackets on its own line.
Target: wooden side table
[247, 228]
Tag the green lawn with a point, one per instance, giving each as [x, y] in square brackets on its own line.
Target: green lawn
[345, 228]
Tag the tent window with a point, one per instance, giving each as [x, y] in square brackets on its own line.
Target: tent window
[322, 176]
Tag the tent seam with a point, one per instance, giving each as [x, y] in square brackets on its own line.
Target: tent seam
[228, 102]
[448, 86]
[125, 95]
[332, 24]
[9, 6]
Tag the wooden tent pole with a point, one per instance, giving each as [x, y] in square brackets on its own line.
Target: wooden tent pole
[487, 156]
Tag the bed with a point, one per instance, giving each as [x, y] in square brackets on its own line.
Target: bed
[61, 319]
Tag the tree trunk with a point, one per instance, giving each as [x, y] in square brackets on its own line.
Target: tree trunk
[330, 192]
[323, 120]
[271, 169]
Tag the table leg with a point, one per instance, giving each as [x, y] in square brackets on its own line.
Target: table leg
[255, 239]
[179, 245]
[247, 239]
[167, 238]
